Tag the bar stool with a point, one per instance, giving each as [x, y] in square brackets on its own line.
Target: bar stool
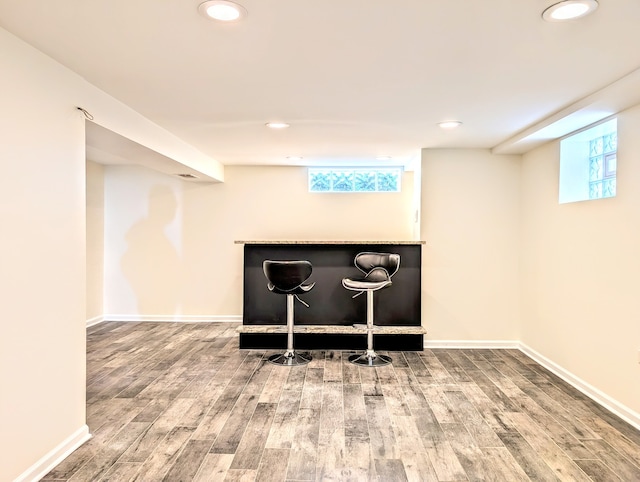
[378, 268]
[289, 278]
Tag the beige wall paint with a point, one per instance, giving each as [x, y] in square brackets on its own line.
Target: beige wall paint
[195, 249]
[143, 242]
[580, 271]
[42, 250]
[470, 222]
[95, 240]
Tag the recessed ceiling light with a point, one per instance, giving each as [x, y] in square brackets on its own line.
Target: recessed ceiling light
[569, 10]
[277, 125]
[222, 10]
[294, 158]
[450, 124]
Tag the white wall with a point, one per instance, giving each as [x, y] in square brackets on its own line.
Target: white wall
[95, 240]
[42, 250]
[187, 263]
[143, 242]
[581, 271]
[470, 222]
[416, 209]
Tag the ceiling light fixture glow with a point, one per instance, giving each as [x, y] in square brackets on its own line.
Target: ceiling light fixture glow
[569, 10]
[451, 124]
[294, 158]
[277, 125]
[383, 158]
[222, 10]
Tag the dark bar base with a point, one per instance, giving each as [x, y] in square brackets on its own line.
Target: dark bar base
[318, 341]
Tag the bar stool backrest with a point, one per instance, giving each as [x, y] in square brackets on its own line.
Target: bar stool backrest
[378, 266]
[286, 276]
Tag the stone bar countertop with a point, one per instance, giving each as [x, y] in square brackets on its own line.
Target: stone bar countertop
[331, 242]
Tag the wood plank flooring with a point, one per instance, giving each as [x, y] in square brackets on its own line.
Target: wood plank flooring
[181, 402]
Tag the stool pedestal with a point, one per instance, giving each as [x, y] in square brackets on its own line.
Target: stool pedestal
[290, 357]
[370, 358]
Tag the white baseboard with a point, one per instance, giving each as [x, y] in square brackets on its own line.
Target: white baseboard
[177, 318]
[95, 320]
[57, 455]
[625, 413]
[473, 344]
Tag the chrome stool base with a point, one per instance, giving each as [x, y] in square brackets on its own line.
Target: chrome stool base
[370, 359]
[290, 359]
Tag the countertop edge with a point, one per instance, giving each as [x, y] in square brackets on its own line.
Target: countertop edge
[331, 242]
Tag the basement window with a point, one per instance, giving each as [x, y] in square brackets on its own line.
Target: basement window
[588, 163]
[354, 179]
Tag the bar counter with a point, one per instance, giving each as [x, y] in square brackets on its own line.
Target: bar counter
[329, 321]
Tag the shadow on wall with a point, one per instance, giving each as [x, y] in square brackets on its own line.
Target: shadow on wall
[151, 262]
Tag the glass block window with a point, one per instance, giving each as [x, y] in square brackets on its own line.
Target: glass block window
[588, 163]
[354, 180]
[602, 166]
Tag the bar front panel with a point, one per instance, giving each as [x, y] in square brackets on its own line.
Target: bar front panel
[331, 303]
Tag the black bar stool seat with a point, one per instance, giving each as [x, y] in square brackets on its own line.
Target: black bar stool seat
[377, 268]
[289, 278]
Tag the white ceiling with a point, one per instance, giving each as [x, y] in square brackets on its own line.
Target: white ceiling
[356, 79]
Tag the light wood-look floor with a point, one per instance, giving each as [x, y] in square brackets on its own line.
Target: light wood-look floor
[181, 402]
